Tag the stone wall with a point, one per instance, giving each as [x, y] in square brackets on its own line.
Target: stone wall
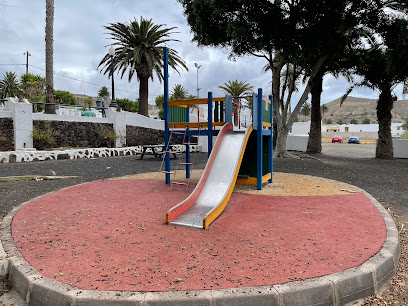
[6, 134]
[139, 136]
[72, 134]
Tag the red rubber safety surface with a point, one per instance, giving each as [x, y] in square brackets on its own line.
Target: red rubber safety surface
[111, 235]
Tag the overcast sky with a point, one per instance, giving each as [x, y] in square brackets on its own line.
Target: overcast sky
[80, 43]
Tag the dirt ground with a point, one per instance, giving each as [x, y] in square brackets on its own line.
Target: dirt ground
[285, 184]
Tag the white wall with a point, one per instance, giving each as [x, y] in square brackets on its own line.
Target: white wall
[23, 117]
[400, 148]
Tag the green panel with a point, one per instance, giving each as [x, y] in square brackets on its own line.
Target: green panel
[177, 114]
[266, 114]
[248, 165]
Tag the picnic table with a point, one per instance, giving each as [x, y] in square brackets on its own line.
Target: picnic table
[157, 150]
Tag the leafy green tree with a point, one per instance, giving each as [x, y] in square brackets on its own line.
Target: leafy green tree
[9, 85]
[159, 102]
[64, 97]
[88, 101]
[383, 65]
[282, 32]
[138, 49]
[353, 121]
[237, 89]
[178, 92]
[33, 87]
[366, 121]
[329, 121]
[405, 125]
[340, 121]
[128, 105]
[104, 93]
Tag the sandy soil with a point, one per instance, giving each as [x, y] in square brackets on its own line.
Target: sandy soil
[285, 184]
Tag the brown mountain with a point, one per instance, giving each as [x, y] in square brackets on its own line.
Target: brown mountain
[361, 108]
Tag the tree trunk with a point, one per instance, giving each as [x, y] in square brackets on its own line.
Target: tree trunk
[143, 95]
[385, 104]
[235, 111]
[314, 144]
[280, 149]
[49, 56]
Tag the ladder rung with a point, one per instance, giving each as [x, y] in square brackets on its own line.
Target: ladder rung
[167, 172]
[173, 152]
[178, 133]
[190, 143]
[185, 163]
[180, 183]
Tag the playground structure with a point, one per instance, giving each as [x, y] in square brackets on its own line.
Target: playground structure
[237, 156]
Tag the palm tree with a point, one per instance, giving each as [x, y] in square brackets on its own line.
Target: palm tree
[138, 49]
[324, 109]
[9, 86]
[179, 92]
[104, 93]
[305, 111]
[49, 55]
[236, 89]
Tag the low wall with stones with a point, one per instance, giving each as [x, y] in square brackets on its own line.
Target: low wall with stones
[73, 134]
[6, 134]
[139, 136]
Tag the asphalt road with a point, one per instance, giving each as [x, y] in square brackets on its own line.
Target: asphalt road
[350, 150]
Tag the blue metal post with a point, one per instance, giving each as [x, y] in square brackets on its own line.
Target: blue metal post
[228, 109]
[259, 151]
[210, 121]
[187, 145]
[166, 113]
[270, 143]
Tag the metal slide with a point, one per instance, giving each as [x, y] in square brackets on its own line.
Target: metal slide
[214, 189]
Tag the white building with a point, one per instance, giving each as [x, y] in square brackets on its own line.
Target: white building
[303, 128]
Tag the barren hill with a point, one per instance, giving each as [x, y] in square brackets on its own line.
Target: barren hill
[361, 108]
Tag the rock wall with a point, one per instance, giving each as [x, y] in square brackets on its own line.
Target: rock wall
[57, 134]
[6, 134]
[139, 136]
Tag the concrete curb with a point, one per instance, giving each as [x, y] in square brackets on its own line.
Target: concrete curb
[342, 288]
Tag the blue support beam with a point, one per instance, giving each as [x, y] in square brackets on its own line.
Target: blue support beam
[166, 113]
[187, 140]
[270, 143]
[210, 121]
[228, 109]
[259, 141]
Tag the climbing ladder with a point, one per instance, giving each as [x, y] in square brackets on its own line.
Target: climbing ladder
[187, 163]
[186, 141]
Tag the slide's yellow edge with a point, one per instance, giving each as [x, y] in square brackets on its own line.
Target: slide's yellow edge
[216, 211]
[253, 180]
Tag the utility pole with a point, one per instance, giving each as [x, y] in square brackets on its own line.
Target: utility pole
[28, 54]
[198, 89]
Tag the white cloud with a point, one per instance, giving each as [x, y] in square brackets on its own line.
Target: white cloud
[80, 43]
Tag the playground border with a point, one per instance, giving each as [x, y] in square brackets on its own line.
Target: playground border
[340, 288]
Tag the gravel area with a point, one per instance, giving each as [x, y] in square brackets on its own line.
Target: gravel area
[386, 180]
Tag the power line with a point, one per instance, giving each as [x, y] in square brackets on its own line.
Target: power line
[78, 80]
[82, 81]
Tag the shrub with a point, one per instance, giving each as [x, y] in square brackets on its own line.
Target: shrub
[106, 136]
[44, 138]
